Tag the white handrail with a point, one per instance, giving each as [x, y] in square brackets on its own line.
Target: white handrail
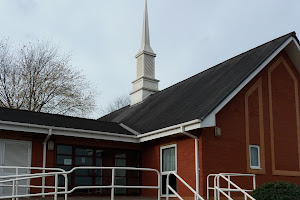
[168, 187]
[66, 191]
[16, 178]
[238, 189]
[228, 189]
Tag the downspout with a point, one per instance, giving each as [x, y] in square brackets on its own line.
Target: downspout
[196, 157]
[45, 158]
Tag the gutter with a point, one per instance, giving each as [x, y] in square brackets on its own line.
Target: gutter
[135, 138]
[45, 158]
[34, 128]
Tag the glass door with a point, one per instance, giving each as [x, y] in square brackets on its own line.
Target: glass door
[168, 157]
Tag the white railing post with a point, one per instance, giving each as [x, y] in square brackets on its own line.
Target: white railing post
[66, 186]
[17, 182]
[112, 184]
[55, 186]
[167, 187]
[218, 185]
[13, 189]
[215, 184]
[159, 185]
[254, 182]
[229, 193]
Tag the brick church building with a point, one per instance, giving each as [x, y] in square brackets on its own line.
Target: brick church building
[239, 116]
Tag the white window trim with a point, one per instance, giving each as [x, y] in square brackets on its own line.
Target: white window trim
[29, 143]
[257, 147]
[161, 168]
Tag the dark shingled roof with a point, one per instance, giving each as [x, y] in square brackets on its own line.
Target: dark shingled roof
[22, 116]
[197, 96]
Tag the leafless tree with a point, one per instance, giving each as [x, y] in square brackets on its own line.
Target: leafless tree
[117, 103]
[36, 77]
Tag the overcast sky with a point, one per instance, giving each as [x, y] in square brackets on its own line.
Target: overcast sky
[188, 36]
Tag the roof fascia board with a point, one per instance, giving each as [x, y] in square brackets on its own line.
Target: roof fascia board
[117, 137]
[171, 130]
[34, 128]
[297, 43]
[293, 50]
[13, 126]
[210, 119]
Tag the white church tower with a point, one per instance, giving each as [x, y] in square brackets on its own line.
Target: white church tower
[145, 83]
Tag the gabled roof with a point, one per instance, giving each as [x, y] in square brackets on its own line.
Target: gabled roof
[52, 120]
[195, 97]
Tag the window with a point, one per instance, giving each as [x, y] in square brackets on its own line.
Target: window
[69, 156]
[120, 161]
[168, 155]
[254, 157]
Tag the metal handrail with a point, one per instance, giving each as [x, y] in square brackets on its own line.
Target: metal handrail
[25, 176]
[66, 191]
[27, 168]
[168, 187]
[229, 189]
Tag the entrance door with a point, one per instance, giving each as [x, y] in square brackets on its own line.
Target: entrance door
[15, 153]
[168, 163]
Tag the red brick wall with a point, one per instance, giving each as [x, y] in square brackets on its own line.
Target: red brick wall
[185, 162]
[274, 111]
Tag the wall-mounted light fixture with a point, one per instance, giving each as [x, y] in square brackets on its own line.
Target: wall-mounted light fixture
[50, 145]
[217, 131]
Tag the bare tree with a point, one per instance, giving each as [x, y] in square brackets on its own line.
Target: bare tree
[38, 78]
[117, 103]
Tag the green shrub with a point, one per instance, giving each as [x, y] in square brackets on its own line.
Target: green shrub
[278, 190]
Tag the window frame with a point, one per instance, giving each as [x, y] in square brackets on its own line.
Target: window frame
[258, 157]
[132, 159]
[161, 165]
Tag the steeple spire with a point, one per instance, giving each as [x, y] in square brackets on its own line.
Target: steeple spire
[145, 84]
[145, 35]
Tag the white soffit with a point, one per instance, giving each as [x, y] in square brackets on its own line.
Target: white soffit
[171, 130]
[293, 50]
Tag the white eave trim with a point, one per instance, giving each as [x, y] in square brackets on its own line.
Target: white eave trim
[171, 130]
[34, 128]
[210, 119]
[43, 129]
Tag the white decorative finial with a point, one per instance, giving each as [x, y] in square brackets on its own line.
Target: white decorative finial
[145, 35]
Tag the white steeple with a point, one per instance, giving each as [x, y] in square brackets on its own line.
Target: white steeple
[145, 46]
[145, 84]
